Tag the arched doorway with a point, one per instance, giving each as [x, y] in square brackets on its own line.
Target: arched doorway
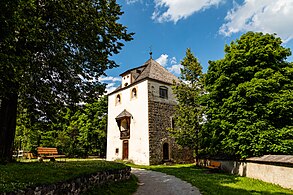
[166, 152]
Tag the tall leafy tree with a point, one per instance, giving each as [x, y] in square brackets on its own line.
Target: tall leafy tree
[87, 129]
[189, 111]
[250, 98]
[51, 54]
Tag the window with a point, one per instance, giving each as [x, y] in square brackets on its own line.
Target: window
[118, 99]
[172, 123]
[124, 125]
[164, 92]
[133, 93]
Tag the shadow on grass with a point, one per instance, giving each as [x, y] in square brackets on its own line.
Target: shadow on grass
[216, 182]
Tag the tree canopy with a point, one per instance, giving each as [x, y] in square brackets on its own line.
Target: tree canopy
[52, 54]
[188, 113]
[79, 132]
[250, 98]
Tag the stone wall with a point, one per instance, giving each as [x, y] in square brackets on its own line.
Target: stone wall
[268, 172]
[78, 185]
[160, 113]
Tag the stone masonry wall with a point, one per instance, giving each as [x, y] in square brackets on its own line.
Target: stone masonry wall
[160, 113]
[78, 185]
[273, 173]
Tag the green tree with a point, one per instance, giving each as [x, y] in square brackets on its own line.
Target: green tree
[80, 133]
[51, 54]
[87, 130]
[250, 98]
[189, 111]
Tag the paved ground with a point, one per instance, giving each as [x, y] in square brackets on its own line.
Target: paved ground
[156, 183]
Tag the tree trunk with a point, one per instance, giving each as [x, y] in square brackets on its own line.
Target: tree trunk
[8, 111]
[196, 148]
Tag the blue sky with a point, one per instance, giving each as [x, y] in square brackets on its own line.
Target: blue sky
[169, 27]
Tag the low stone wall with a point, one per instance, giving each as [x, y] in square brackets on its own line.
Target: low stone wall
[268, 172]
[78, 185]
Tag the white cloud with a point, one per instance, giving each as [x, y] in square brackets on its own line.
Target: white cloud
[174, 10]
[110, 87]
[131, 1]
[269, 16]
[173, 60]
[111, 79]
[170, 64]
[112, 83]
[163, 59]
[175, 68]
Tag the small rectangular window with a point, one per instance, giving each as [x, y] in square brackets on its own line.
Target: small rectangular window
[172, 123]
[163, 92]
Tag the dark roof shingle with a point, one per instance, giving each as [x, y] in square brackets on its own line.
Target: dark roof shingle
[150, 70]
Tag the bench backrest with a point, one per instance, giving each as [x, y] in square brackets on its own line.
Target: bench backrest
[215, 164]
[43, 150]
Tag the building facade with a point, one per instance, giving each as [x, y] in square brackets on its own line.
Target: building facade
[139, 113]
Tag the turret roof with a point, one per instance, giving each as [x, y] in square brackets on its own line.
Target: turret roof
[150, 70]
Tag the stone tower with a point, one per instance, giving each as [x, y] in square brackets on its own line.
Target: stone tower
[139, 112]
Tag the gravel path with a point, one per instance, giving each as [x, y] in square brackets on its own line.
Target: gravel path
[156, 183]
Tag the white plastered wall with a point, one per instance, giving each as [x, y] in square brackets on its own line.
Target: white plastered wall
[126, 80]
[139, 138]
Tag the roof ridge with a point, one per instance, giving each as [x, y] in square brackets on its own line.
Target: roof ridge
[152, 70]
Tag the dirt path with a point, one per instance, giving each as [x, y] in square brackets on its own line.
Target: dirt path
[156, 183]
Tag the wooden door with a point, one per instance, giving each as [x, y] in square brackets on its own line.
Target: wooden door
[125, 150]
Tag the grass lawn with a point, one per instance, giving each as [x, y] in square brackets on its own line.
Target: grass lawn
[217, 182]
[20, 175]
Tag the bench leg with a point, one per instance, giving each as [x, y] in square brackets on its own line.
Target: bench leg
[40, 159]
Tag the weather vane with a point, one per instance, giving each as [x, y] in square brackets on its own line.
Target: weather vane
[151, 53]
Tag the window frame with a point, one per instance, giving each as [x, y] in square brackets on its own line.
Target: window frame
[163, 92]
[118, 99]
[133, 90]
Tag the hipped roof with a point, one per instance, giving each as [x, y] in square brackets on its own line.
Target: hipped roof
[123, 114]
[150, 70]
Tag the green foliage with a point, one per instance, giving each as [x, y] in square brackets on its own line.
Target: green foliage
[52, 54]
[250, 98]
[16, 176]
[79, 133]
[48, 45]
[188, 115]
[87, 130]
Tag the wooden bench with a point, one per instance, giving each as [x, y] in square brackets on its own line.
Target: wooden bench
[48, 153]
[214, 165]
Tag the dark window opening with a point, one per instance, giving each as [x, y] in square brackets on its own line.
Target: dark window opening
[165, 151]
[172, 123]
[163, 92]
[118, 99]
[134, 93]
